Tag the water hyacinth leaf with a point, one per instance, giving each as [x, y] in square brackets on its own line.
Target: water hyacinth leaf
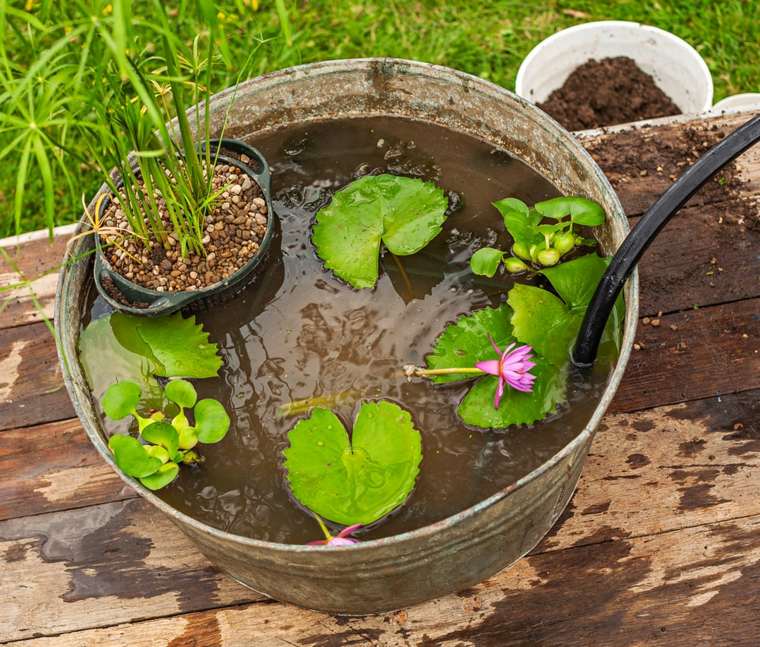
[359, 480]
[131, 457]
[158, 452]
[162, 433]
[520, 221]
[543, 321]
[404, 213]
[180, 345]
[575, 281]
[162, 477]
[466, 341]
[120, 399]
[486, 261]
[211, 421]
[582, 211]
[181, 392]
[516, 407]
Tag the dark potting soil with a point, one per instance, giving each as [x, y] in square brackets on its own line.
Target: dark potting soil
[607, 92]
[301, 332]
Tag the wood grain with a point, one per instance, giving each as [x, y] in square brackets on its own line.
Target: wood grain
[691, 587]
[709, 351]
[31, 383]
[53, 467]
[120, 562]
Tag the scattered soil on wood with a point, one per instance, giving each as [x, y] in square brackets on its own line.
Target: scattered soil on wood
[234, 230]
[607, 92]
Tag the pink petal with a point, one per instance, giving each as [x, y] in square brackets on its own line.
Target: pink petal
[490, 366]
[342, 541]
[348, 530]
[499, 393]
[317, 542]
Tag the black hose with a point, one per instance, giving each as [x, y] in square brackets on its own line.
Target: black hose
[646, 230]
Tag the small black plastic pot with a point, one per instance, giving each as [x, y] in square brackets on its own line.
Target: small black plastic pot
[139, 300]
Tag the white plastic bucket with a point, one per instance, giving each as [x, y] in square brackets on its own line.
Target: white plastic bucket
[677, 68]
[738, 101]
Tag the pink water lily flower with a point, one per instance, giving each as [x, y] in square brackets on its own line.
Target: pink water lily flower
[343, 538]
[512, 368]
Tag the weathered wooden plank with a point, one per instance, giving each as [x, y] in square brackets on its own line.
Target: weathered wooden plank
[694, 586]
[692, 355]
[53, 467]
[31, 383]
[642, 162]
[693, 464]
[36, 259]
[703, 257]
[102, 565]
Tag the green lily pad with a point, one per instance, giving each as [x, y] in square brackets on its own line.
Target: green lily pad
[358, 480]
[121, 399]
[131, 457]
[163, 434]
[520, 221]
[211, 421]
[162, 477]
[465, 342]
[516, 407]
[403, 213]
[158, 452]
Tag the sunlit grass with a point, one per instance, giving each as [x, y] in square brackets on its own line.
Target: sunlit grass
[484, 38]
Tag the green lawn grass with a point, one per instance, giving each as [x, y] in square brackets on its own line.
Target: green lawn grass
[488, 39]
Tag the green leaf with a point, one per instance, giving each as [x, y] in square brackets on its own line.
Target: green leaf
[465, 342]
[120, 399]
[161, 478]
[104, 360]
[357, 481]
[182, 393]
[516, 407]
[486, 261]
[404, 213]
[158, 452]
[131, 457]
[162, 433]
[520, 221]
[180, 345]
[188, 438]
[581, 210]
[575, 281]
[211, 421]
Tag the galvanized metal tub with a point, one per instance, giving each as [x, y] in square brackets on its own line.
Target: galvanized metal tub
[468, 547]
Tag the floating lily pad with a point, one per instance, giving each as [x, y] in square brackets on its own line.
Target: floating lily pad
[211, 421]
[357, 480]
[161, 477]
[403, 213]
[131, 456]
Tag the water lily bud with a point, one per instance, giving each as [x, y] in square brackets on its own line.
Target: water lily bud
[521, 250]
[514, 265]
[548, 257]
[564, 243]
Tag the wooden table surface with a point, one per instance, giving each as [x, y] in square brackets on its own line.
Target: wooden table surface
[660, 544]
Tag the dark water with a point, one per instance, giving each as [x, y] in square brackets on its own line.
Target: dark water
[301, 332]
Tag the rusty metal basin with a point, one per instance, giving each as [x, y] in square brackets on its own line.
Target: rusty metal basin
[472, 545]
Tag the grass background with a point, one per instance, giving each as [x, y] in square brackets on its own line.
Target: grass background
[488, 39]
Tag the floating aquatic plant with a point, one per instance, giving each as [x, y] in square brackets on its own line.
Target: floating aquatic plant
[544, 324]
[166, 443]
[537, 242]
[402, 213]
[355, 480]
